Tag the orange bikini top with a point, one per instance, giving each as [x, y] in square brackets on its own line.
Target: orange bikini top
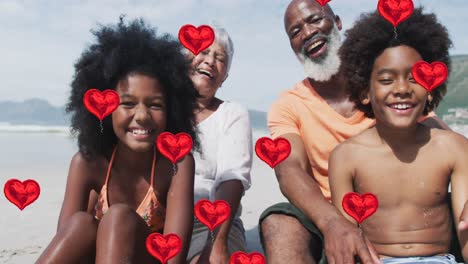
[149, 209]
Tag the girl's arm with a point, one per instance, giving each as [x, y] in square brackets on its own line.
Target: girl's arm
[340, 176]
[179, 212]
[79, 185]
[459, 180]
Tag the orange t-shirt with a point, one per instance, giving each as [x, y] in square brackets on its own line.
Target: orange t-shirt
[303, 111]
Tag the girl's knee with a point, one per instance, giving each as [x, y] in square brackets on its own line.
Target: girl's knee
[79, 220]
[81, 228]
[121, 224]
[121, 216]
[119, 211]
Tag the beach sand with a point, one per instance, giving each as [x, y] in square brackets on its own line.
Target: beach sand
[25, 234]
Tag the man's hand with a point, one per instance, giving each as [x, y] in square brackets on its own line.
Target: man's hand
[344, 242]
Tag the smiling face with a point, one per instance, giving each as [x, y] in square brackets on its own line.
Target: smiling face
[313, 34]
[396, 99]
[141, 115]
[209, 70]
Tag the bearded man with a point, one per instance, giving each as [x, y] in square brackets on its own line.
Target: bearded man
[314, 116]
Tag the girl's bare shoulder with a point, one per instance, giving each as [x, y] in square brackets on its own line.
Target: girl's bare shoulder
[90, 169]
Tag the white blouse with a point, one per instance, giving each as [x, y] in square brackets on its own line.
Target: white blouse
[226, 144]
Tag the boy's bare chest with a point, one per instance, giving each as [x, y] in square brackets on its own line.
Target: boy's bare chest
[420, 180]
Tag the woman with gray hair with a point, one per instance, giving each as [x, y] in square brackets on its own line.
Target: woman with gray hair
[222, 171]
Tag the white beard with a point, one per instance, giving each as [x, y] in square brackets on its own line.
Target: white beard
[323, 69]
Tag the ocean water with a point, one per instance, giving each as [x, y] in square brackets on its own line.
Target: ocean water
[44, 149]
[43, 152]
[37, 151]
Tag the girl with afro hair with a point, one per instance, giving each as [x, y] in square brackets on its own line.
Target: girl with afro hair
[408, 166]
[120, 188]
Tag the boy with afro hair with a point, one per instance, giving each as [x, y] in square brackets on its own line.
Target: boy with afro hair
[406, 165]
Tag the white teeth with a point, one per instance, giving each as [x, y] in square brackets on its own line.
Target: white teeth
[401, 106]
[313, 46]
[140, 132]
[206, 72]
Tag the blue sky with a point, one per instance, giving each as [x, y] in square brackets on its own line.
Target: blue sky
[41, 40]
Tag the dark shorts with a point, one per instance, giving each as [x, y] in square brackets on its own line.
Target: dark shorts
[291, 210]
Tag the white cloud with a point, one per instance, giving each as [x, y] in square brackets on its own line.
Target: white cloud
[10, 7]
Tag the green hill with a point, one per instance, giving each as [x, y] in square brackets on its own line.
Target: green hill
[457, 91]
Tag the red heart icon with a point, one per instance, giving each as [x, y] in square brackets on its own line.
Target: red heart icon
[20, 193]
[196, 39]
[360, 207]
[163, 247]
[272, 151]
[431, 75]
[240, 257]
[174, 147]
[101, 104]
[323, 2]
[395, 11]
[212, 214]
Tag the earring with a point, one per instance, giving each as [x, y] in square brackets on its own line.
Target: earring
[428, 103]
[429, 98]
[365, 101]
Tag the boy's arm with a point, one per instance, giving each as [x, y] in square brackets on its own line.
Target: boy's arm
[179, 212]
[459, 186]
[463, 225]
[340, 176]
[462, 230]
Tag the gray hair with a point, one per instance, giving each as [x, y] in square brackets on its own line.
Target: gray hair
[223, 38]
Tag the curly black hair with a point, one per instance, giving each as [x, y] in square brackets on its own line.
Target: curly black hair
[372, 34]
[122, 50]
